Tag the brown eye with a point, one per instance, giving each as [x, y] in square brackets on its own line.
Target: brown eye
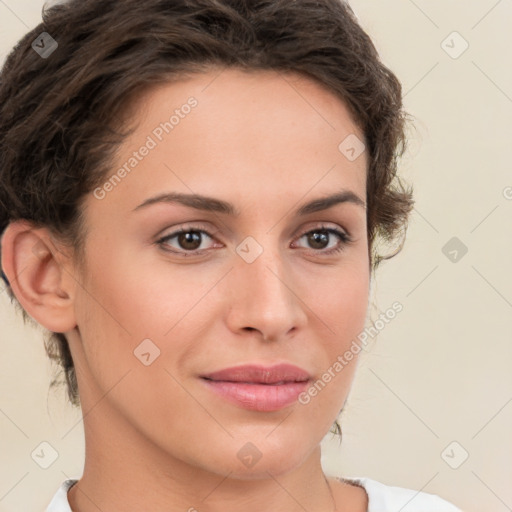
[186, 241]
[319, 239]
[190, 240]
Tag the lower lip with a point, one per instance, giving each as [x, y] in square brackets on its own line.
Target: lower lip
[258, 397]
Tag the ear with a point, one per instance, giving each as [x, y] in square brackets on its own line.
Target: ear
[40, 275]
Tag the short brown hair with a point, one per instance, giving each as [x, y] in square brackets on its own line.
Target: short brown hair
[59, 116]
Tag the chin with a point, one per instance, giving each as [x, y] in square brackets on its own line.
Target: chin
[256, 459]
[262, 469]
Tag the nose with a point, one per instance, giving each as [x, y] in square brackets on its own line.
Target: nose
[266, 297]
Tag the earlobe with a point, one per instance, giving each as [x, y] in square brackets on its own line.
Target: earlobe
[35, 268]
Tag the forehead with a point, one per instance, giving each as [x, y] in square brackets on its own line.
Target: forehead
[233, 133]
[261, 94]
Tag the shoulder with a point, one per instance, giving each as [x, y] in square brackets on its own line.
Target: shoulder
[384, 498]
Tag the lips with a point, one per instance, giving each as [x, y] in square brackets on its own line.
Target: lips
[259, 388]
[256, 374]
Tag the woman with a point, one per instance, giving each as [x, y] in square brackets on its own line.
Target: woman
[192, 196]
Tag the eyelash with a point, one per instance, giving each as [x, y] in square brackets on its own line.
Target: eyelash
[345, 240]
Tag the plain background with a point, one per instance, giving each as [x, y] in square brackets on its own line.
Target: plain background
[435, 386]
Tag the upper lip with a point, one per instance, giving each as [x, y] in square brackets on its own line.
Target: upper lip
[254, 373]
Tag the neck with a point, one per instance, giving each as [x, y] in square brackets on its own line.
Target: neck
[125, 471]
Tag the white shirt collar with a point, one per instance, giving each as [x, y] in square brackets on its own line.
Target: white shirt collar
[381, 498]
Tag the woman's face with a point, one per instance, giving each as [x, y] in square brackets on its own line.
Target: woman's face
[154, 317]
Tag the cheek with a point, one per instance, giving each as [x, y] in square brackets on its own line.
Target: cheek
[340, 297]
[134, 319]
[345, 302]
[127, 355]
[342, 309]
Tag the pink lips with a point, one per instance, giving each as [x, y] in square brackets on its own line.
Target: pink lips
[259, 388]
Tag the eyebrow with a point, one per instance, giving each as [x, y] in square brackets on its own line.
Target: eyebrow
[211, 204]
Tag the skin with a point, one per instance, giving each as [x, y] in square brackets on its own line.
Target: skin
[266, 142]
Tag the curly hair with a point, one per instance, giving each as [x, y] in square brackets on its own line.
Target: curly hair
[60, 115]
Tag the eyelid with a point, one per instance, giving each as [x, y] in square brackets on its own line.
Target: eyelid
[319, 225]
[189, 226]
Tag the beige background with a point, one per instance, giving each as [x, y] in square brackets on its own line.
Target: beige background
[440, 371]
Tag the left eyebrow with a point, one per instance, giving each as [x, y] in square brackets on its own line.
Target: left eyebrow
[324, 203]
[212, 204]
